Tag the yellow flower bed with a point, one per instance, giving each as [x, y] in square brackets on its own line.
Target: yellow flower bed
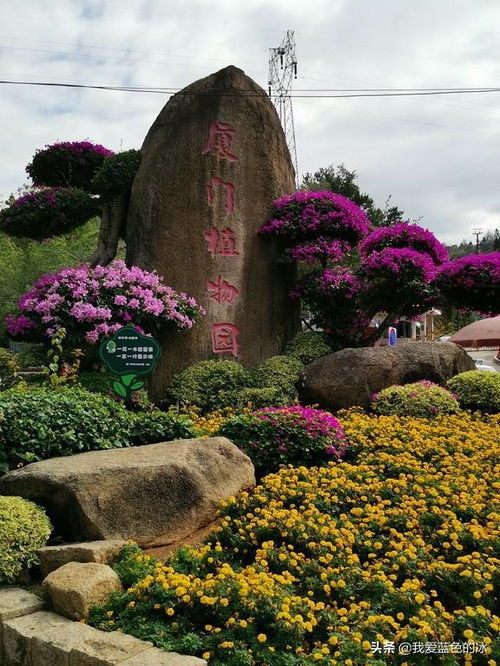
[399, 543]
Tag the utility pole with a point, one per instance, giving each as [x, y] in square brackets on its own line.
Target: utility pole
[282, 71]
[477, 233]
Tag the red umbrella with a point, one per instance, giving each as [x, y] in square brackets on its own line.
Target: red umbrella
[479, 334]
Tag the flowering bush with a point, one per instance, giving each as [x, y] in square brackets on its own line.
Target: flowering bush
[355, 276]
[422, 399]
[298, 435]
[400, 278]
[477, 389]
[68, 163]
[48, 212]
[92, 303]
[314, 225]
[319, 563]
[24, 528]
[472, 282]
[404, 235]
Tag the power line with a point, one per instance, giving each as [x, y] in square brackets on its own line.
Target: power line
[350, 92]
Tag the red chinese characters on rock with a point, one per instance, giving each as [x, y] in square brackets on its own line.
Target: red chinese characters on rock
[221, 291]
[221, 242]
[220, 141]
[228, 188]
[224, 335]
[225, 339]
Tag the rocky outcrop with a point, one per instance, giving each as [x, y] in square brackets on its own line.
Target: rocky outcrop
[350, 377]
[211, 165]
[155, 494]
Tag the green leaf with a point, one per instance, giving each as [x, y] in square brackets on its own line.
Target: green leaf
[137, 385]
[120, 389]
[126, 380]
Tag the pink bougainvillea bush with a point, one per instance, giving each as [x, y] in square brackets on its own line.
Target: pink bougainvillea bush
[296, 435]
[92, 303]
[67, 163]
[48, 212]
[472, 282]
[404, 235]
[351, 274]
[316, 225]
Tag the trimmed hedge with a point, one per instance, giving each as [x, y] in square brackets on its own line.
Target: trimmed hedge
[477, 390]
[24, 527]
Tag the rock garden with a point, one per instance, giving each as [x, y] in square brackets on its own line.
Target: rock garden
[237, 486]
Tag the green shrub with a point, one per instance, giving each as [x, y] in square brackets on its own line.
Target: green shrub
[307, 346]
[8, 370]
[157, 426]
[477, 390]
[422, 399]
[42, 423]
[258, 397]
[282, 373]
[31, 358]
[116, 173]
[132, 565]
[24, 527]
[209, 385]
[293, 435]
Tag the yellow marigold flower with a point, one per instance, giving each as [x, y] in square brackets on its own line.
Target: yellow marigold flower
[262, 638]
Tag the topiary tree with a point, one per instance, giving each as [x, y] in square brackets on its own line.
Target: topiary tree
[113, 182]
[67, 164]
[472, 283]
[48, 212]
[350, 275]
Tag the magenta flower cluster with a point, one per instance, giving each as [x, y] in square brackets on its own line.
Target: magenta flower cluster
[472, 282]
[312, 216]
[45, 197]
[80, 147]
[405, 235]
[398, 262]
[92, 303]
[315, 423]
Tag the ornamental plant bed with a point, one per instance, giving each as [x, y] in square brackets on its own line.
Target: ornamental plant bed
[319, 564]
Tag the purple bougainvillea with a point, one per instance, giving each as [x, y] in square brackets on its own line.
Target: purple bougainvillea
[404, 235]
[92, 303]
[472, 282]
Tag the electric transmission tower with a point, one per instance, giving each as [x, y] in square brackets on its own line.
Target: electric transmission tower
[282, 71]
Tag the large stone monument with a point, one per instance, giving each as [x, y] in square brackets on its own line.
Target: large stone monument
[212, 163]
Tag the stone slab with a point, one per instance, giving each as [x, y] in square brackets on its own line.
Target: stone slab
[14, 602]
[47, 639]
[102, 552]
[156, 657]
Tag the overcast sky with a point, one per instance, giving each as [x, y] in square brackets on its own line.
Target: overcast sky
[439, 157]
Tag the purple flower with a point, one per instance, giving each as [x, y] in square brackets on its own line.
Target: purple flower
[404, 235]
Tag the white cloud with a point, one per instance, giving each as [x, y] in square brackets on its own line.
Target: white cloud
[438, 156]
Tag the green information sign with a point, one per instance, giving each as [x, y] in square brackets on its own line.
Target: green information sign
[130, 355]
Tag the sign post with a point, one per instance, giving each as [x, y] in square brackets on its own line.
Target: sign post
[131, 356]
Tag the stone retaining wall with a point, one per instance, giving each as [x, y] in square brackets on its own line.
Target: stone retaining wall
[32, 636]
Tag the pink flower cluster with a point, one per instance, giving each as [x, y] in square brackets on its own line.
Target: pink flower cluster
[95, 302]
[321, 215]
[80, 147]
[405, 235]
[398, 261]
[45, 197]
[317, 423]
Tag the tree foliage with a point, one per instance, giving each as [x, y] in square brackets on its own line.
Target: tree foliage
[342, 181]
